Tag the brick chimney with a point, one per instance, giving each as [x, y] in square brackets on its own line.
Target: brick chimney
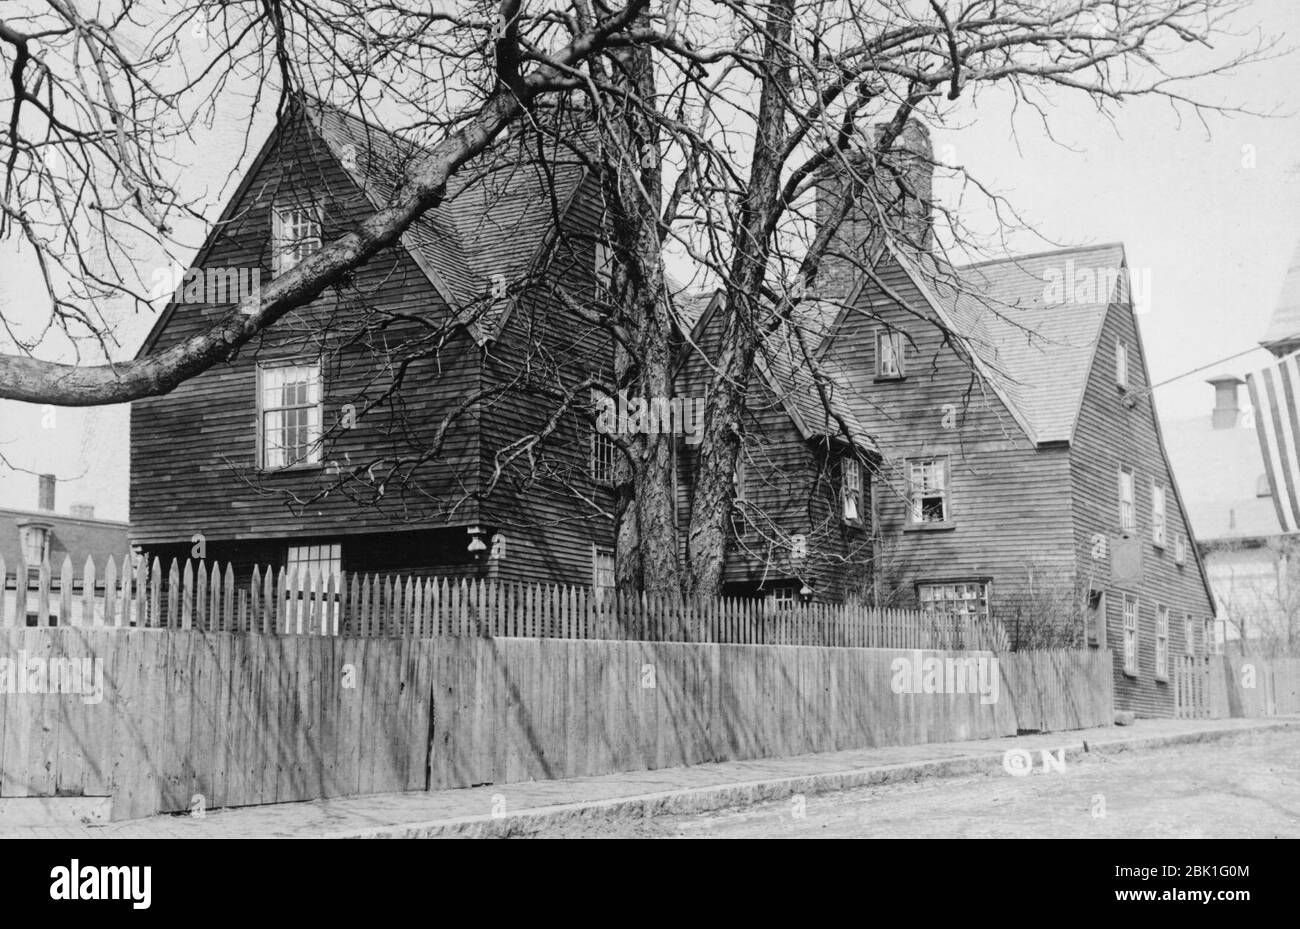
[900, 191]
[1227, 411]
[45, 493]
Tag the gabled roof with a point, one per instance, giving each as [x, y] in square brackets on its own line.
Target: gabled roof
[792, 371]
[1031, 325]
[500, 210]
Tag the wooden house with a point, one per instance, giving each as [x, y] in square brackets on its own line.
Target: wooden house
[428, 416]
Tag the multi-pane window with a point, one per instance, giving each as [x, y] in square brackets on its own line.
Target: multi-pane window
[310, 568]
[296, 234]
[603, 448]
[889, 353]
[1189, 634]
[1180, 549]
[1127, 511]
[784, 597]
[1158, 514]
[602, 571]
[1162, 640]
[1121, 364]
[851, 489]
[1130, 634]
[927, 480]
[966, 598]
[289, 397]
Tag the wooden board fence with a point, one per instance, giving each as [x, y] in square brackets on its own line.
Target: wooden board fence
[188, 717]
[1059, 689]
[141, 594]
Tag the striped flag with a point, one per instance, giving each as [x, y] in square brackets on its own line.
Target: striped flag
[1274, 395]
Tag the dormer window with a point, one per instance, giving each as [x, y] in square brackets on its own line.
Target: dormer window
[295, 234]
[1121, 365]
[889, 354]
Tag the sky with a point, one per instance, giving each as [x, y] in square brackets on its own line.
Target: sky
[1207, 215]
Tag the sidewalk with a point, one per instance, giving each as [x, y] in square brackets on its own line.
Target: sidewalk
[520, 809]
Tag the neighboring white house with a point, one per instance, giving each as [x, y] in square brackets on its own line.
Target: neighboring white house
[1253, 566]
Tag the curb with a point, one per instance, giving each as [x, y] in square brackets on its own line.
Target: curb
[722, 796]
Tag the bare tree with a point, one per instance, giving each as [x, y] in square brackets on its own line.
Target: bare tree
[716, 124]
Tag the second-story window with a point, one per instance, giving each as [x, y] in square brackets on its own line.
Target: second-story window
[889, 354]
[1162, 641]
[1121, 364]
[289, 401]
[295, 233]
[603, 447]
[927, 480]
[1158, 515]
[1127, 513]
[851, 490]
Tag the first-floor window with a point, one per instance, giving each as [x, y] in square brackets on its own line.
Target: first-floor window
[309, 569]
[784, 597]
[964, 598]
[289, 398]
[927, 480]
[1130, 634]
[1096, 618]
[602, 572]
[1211, 638]
[1189, 634]
[1162, 640]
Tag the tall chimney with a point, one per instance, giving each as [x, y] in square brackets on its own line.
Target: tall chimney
[1227, 413]
[900, 192]
[45, 493]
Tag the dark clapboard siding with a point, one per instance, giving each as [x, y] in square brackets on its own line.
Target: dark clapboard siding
[791, 487]
[193, 451]
[1010, 502]
[543, 504]
[1107, 435]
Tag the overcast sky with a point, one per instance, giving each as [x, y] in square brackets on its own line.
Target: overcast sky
[1210, 217]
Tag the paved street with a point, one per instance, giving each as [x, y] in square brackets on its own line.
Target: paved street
[1248, 787]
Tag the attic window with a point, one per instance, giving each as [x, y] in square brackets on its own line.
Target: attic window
[1121, 365]
[295, 234]
[889, 354]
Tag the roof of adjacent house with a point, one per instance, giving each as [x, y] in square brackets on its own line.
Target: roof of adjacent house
[74, 537]
[1031, 324]
[1221, 474]
[1284, 327]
